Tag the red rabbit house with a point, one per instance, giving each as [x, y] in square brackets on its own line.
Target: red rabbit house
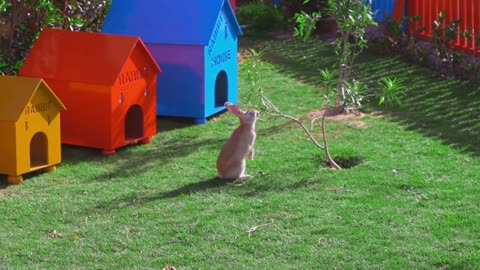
[107, 82]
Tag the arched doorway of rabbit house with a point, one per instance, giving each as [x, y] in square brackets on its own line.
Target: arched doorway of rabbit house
[134, 123]
[221, 89]
[39, 150]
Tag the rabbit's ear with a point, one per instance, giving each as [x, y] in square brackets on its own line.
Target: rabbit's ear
[233, 108]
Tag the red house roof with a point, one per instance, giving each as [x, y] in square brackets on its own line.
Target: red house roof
[81, 56]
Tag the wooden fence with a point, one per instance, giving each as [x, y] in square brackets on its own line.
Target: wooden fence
[468, 11]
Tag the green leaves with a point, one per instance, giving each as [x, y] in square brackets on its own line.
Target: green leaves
[329, 81]
[4, 5]
[353, 94]
[306, 23]
[352, 18]
[443, 33]
[23, 21]
[390, 89]
[255, 67]
[328, 78]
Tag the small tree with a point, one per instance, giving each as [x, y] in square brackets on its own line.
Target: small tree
[352, 18]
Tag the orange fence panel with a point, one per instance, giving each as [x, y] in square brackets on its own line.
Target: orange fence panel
[468, 11]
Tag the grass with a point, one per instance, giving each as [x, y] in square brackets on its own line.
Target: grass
[411, 203]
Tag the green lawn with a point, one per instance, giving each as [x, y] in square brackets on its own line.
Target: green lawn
[412, 203]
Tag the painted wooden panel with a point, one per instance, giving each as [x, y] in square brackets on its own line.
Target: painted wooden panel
[181, 85]
[468, 11]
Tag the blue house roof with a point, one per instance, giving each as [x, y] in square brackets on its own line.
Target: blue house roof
[169, 21]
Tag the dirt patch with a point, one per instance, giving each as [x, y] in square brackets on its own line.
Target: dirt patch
[377, 114]
[333, 114]
[348, 118]
[4, 192]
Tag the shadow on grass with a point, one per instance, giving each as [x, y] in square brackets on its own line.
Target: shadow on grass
[193, 188]
[274, 129]
[296, 58]
[135, 160]
[446, 109]
[171, 123]
[25, 177]
[203, 186]
[133, 199]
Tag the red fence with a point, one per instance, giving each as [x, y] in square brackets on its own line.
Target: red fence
[468, 11]
[233, 4]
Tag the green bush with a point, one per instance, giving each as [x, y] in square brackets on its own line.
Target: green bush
[22, 20]
[260, 17]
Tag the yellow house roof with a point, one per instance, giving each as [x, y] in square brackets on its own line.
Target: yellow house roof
[16, 92]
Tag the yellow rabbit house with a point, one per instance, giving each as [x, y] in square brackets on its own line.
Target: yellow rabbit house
[29, 127]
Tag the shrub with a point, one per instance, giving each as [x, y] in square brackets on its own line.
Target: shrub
[260, 17]
[21, 21]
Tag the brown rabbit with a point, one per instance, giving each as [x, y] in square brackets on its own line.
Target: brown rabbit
[231, 162]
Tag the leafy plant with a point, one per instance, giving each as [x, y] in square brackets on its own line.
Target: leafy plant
[254, 67]
[343, 93]
[352, 17]
[390, 89]
[306, 23]
[83, 15]
[21, 22]
[394, 36]
[443, 34]
[387, 93]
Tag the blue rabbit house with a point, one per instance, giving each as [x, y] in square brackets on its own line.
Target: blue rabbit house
[196, 45]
